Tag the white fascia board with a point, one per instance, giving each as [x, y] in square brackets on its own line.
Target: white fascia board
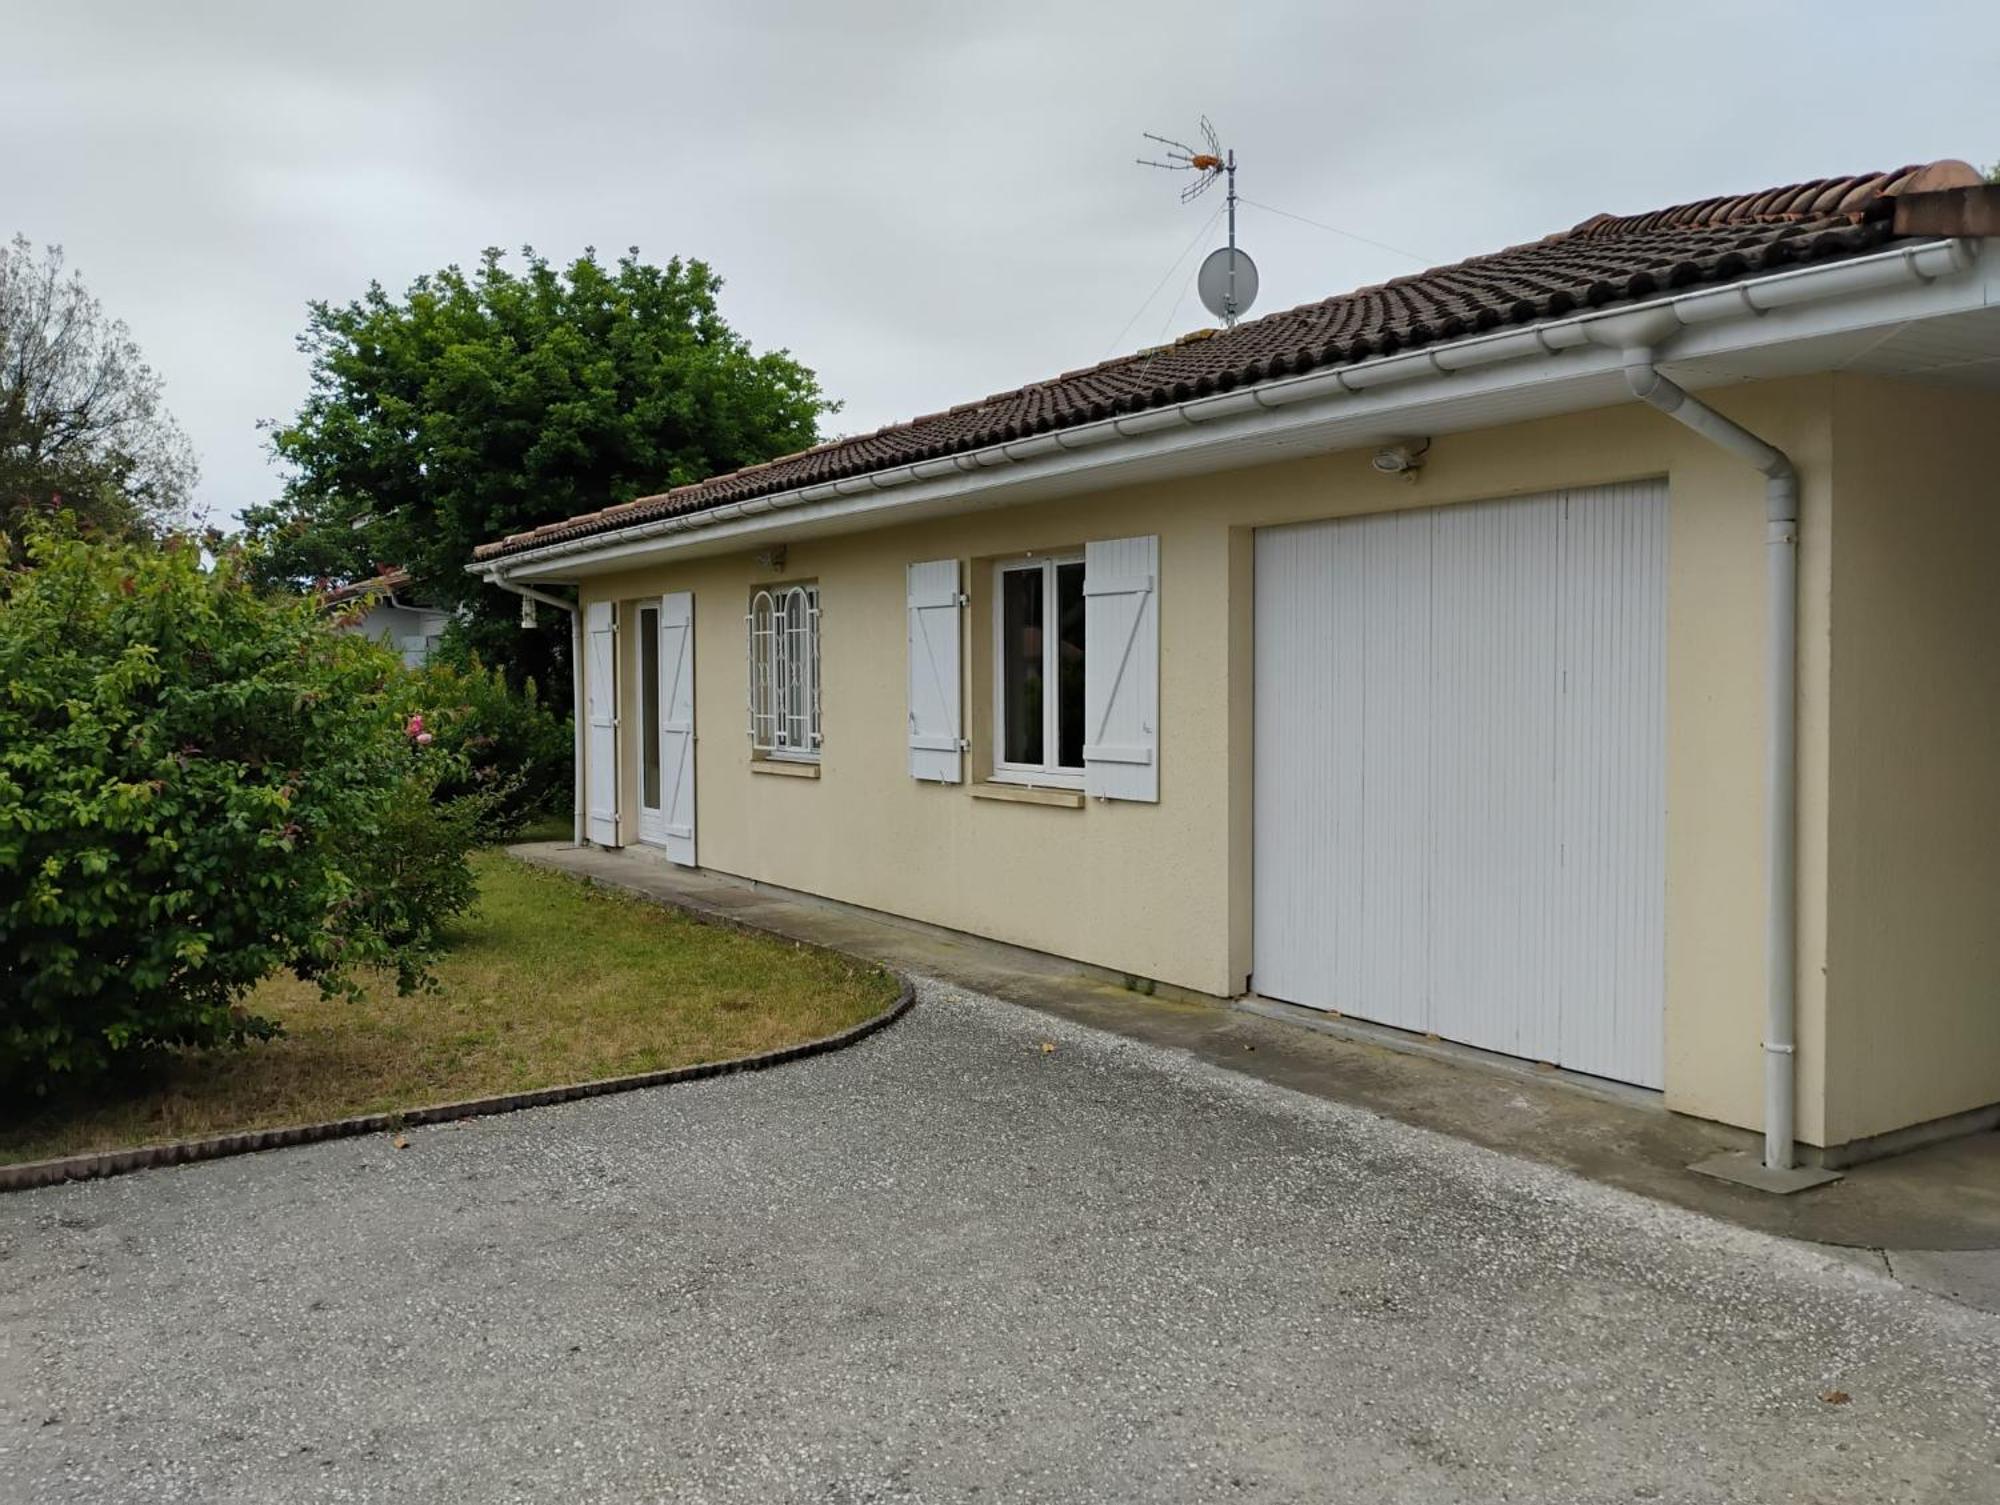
[1932, 280]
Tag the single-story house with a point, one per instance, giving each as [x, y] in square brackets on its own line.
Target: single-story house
[1588, 652]
[383, 608]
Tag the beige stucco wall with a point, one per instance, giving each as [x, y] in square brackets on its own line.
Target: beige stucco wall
[1913, 960]
[1164, 891]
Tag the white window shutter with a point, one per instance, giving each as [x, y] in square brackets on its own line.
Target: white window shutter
[677, 723]
[600, 693]
[936, 747]
[1121, 669]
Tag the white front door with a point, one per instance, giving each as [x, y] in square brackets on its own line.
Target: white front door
[600, 693]
[676, 743]
[1460, 773]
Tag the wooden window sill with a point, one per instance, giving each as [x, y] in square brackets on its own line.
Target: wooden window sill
[1029, 794]
[784, 768]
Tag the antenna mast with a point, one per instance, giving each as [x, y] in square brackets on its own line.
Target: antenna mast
[1230, 288]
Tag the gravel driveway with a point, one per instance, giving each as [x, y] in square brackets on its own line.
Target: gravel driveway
[951, 1264]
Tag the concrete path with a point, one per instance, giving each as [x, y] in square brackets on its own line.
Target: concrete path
[955, 1263]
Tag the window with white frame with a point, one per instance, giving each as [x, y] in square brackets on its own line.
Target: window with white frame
[1038, 685]
[784, 671]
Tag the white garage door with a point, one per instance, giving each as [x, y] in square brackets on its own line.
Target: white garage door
[1460, 787]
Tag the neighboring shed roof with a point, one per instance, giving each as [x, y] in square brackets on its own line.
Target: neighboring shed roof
[389, 580]
[1604, 260]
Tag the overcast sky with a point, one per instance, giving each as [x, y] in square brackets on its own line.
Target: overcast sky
[925, 202]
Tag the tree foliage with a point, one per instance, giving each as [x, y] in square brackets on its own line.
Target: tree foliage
[477, 405]
[200, 784]
[82, 428]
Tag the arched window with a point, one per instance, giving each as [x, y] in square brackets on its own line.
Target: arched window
[784, 671]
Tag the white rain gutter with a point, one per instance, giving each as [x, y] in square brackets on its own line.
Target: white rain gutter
[1246, 412]
[1781, 737]
[575, 689]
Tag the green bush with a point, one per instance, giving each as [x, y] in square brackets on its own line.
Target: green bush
[511, 752]
[199, 785]
[413, 869]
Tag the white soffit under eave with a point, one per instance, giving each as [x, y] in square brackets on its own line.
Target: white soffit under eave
[1960, 350]
[1911, 331]
[1937, 345]
[1937, 328]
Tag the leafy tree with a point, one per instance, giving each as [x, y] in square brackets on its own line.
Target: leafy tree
[82, 429]
[200, 783]
[479, 405]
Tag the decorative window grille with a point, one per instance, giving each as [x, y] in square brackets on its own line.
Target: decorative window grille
[784, 672]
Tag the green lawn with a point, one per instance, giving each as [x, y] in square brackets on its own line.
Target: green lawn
[558, 827]
[547, 982]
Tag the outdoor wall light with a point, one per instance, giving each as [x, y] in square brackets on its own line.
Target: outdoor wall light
[1404, 459]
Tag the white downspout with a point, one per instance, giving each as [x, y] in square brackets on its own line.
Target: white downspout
[1781, 554]
[575, 690]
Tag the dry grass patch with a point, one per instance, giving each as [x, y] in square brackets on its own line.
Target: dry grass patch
[547, 982]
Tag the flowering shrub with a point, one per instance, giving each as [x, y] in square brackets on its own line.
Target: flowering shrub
[510, 752]
[199, 785]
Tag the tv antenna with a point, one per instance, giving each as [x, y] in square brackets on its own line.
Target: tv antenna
[1227, 280]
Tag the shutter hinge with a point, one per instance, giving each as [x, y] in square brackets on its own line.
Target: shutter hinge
[963, 599]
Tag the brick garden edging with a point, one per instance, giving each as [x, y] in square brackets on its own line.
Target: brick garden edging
[89, 1167]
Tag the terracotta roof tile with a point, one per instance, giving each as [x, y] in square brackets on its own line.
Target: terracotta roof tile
[1605, 259]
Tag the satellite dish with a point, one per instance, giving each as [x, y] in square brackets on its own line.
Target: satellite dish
[1228, 299]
